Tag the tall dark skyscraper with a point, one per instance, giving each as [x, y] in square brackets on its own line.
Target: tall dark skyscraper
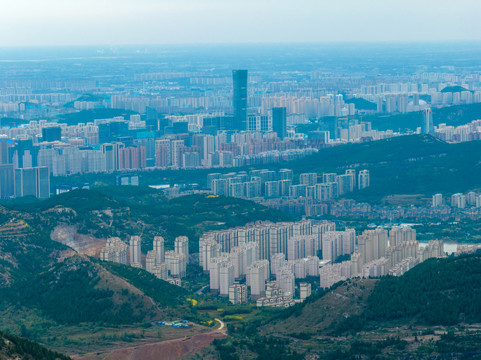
[7, 189]
[33, 181]
[279, 121]
[3, 149]
[151, 119]
[52, 133]
[240, 99]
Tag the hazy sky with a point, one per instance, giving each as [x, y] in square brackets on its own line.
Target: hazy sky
[112, 22]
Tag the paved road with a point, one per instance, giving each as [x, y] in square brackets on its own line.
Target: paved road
[221, 324]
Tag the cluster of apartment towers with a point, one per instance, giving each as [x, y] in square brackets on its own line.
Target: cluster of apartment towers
[166, 265]
[272, 184]
[248, 257]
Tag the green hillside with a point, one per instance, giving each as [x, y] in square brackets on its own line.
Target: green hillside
[417, 164]
[133, 210]
[71, 303]
[451, 115]
[76, 291]
[86, 116]
[437, 292]
[161, 291]
[14, 347]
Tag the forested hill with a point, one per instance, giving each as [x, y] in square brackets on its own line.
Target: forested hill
[14, 347]
[451, 115]
[436, 292]
[417, 164]
[132, 210]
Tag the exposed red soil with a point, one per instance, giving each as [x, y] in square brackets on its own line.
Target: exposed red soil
[165, 350]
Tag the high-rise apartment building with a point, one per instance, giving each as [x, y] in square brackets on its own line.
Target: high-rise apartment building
[135, 251]
[150, 261]
[308, 179]
[286, 280]
[162, 153]
[176, 264]
[363, 179]
[4, 145]
[226, 277]
[437, 200]
[182, 246]
[458, 201]
[256, 278]
[159, 249]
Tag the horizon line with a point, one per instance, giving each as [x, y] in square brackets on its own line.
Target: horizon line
[258, 43]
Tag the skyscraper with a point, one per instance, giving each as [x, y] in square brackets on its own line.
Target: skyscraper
[3, 149]
[428, 126]
[151, 119]
[239, 78]
[7, 189]
[53, 133]
[33, 181]
[279, 122]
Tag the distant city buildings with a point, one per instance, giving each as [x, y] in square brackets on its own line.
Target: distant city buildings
[277, 190]
[462, 133]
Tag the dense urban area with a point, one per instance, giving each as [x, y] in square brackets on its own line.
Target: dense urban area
[269, 203]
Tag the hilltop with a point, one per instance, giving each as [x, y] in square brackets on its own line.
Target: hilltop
[456, 88]
[362, 104]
